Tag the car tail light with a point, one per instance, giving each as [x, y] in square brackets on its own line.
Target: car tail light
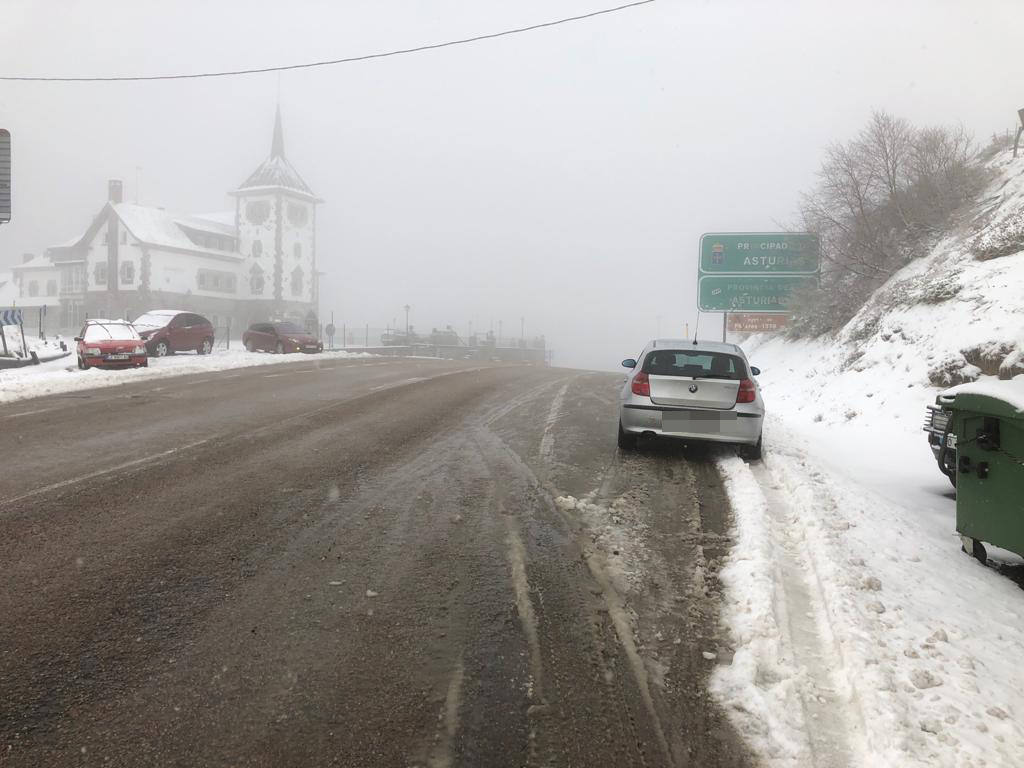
[642, 385]
[747, 392]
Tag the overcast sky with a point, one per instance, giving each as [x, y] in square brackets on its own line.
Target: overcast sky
[563, 175]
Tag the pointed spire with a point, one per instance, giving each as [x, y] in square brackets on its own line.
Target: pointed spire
[277, 147]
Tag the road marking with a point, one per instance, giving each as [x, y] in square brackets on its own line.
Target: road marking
[27, 413]
[100, 473]
[398, 383]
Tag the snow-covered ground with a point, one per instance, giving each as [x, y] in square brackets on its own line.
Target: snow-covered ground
[62, 375]
[864, 636]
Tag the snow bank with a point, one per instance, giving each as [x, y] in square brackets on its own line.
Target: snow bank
[758, 689]
[928, 640]
[62, 375]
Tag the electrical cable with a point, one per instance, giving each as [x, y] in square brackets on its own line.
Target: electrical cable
[331, 62]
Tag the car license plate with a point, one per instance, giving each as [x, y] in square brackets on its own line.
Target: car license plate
[311, 347]
[118, 356]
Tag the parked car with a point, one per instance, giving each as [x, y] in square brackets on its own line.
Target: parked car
[110, 344]
[940, 439]
[166, 331]
[692, 391]
[280, 337]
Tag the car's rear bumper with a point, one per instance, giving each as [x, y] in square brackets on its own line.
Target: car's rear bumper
[731, 426]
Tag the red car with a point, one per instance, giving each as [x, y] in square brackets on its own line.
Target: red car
[280, 337]
[166, 331]
[110, 344]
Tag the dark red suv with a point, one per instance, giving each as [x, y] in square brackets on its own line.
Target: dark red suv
[167, 331]
[280, 337]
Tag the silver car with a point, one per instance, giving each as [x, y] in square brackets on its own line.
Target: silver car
[693, 391]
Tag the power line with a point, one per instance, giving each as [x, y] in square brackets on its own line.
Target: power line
[331, 62]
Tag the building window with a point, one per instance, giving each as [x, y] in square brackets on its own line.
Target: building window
[298, 215]
[297, 281]
[257, 249]
[72, 278]
[257, 211]
[51, 287]
[128, 272]
[33, 288]
[215, 280]
[256, 280]
[297, 250]
[100, 275]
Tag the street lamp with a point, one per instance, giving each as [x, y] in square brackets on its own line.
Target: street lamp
[407, 308]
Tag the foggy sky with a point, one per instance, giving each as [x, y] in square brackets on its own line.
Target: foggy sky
[563, 175]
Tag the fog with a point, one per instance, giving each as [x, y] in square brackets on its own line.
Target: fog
[562, 176]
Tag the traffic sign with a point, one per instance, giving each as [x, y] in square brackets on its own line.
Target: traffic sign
[753, 293]
[750, 322]
[5, 176]
[760, 253]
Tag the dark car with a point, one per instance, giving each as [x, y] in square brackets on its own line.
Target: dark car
[166, 331]
[940, 439]
[280, 337]
[110, 344]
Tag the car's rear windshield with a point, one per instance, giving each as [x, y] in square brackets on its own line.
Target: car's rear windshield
[289, 328]
[151, 321]
[107, 331]
[695, 363]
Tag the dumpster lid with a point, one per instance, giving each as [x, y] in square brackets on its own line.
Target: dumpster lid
[1008, 393]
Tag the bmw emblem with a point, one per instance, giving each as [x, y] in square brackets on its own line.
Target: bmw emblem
[693, 387]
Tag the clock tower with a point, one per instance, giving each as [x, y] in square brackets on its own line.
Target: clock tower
[275, 217]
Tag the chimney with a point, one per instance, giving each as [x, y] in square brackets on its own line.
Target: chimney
[27, 257]
[115, 190]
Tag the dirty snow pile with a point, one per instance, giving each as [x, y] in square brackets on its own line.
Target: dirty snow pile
[62, 375]
[913, 645]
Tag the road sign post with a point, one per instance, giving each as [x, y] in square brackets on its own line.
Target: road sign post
[5, 176]
[754, 272]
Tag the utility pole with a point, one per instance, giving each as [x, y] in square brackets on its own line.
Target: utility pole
[407, 339]
[522, 331]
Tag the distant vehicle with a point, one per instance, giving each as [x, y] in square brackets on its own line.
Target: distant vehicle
[280, 338]
[692, 391]
[110, 344]
[940, 439]
[166, 331]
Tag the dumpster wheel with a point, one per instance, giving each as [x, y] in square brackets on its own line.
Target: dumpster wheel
[975, 548]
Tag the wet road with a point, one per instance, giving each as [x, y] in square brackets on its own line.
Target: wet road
[359, 563]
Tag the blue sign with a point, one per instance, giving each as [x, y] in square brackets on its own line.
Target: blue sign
[10, 317]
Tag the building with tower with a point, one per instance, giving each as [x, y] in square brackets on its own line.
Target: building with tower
[254, 263]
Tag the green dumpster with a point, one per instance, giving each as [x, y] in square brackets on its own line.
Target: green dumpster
[988, 422]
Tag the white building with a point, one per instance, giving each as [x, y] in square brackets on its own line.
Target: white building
[254, 263]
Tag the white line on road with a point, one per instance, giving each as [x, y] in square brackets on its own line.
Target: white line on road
[100, 473]
[27, 413]
[397, 384]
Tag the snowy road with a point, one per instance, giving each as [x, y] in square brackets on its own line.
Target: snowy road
[361, 563]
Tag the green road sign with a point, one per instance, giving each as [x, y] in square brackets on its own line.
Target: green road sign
[749, 293]
[759, 253]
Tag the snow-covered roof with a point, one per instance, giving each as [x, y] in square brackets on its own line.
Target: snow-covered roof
[1010, 392]
[36, 262]
[155, 226]
[226, 218]
[276, 172]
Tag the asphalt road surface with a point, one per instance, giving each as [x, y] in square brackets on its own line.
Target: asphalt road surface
[359, 563]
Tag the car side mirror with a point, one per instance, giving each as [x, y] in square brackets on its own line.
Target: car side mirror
[629, 363]
[755, 370]
[78, 338]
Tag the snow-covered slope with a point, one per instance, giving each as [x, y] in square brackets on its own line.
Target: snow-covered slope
[880, 622]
